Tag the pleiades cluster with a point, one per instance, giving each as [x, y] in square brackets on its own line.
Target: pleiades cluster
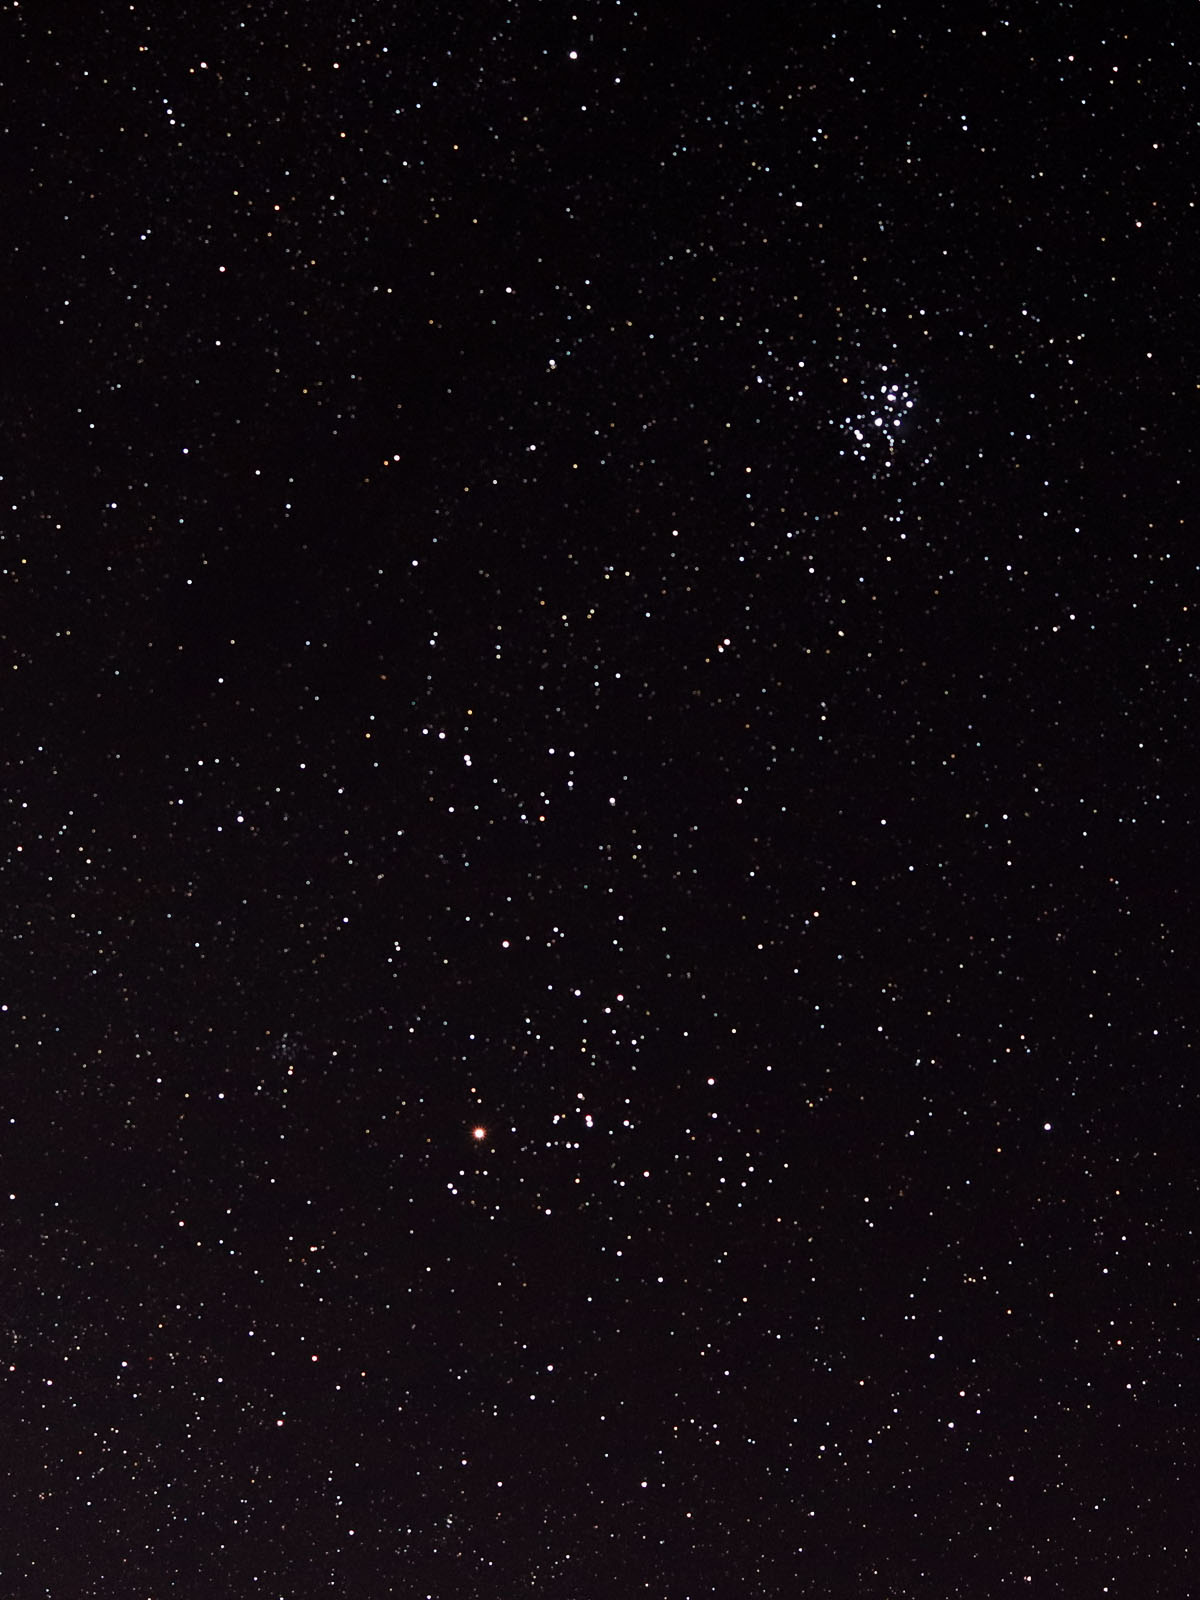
[596, 929]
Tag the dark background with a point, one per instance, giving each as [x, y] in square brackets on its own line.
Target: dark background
[462, 667]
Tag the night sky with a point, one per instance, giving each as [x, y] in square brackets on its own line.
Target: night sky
[598, 918]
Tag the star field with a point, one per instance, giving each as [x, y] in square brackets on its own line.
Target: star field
[599, 636]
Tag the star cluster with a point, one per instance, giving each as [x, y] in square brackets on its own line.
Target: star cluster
[597, 885]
